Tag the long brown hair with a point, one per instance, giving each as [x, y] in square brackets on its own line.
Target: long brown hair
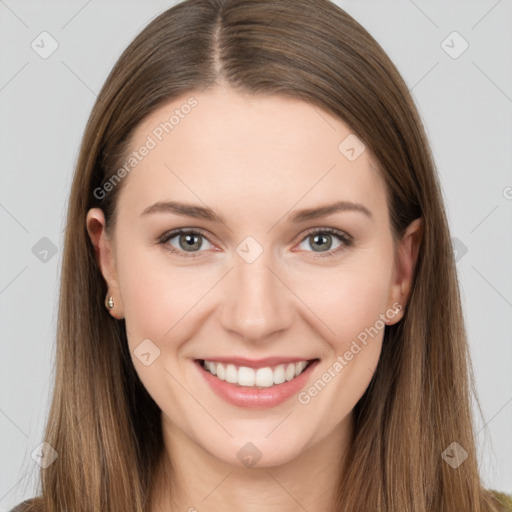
[104, 425]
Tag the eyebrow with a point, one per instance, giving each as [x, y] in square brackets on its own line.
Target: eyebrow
[201, 212]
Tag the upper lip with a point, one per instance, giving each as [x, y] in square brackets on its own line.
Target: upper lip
[256, 363]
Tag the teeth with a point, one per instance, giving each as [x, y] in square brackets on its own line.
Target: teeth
[249, 377]
[246, 376]
[264, 377]
[279, 375]
[231, 374]
[290, 371]
[221, 372]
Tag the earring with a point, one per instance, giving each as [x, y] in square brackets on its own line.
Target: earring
[110, 303]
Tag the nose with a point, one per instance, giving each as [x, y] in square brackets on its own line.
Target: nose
[256, 302]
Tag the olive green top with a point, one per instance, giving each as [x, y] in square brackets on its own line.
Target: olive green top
[505, 501]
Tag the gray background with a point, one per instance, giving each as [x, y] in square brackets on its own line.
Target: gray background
[466, 104]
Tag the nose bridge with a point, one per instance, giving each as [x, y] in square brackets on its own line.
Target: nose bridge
[257, 302]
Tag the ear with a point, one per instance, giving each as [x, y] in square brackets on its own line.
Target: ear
[105, 257]
[405, 263]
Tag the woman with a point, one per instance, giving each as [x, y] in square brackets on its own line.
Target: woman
[211, 354]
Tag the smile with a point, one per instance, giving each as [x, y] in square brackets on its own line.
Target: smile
[255, 378]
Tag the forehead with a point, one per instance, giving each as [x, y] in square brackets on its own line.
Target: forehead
[227, 149]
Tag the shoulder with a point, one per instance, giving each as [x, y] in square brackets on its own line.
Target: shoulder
[503, 501]
[30, 505]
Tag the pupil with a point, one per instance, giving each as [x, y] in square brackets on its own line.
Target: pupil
[189, 241]
[321, 237]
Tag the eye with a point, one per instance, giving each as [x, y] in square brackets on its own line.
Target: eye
[321, 240]
[187, 242]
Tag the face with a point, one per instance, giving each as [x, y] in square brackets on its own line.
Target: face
[227, 254]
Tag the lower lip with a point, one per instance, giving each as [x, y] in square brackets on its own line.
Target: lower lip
[256, 398]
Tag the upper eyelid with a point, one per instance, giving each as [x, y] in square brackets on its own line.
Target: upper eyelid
[180, 231]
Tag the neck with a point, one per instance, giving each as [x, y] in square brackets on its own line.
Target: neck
[198, 481]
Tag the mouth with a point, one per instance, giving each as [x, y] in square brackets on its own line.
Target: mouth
[256, 384]
[264, 377]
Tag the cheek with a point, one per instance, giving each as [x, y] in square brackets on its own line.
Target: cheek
[157, 298]
[159, 304]
[353, 310]
[350, 298]
[353, 306]
[350, 303]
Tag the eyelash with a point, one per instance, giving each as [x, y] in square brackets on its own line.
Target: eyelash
[342, 237]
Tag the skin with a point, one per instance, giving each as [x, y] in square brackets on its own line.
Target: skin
[254, 160]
